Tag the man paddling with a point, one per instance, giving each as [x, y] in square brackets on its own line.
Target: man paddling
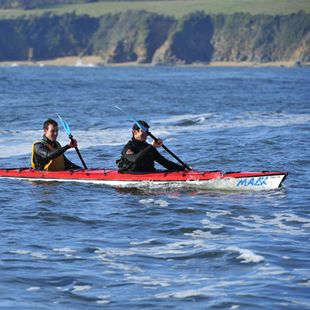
[47, 154]
[140, 156]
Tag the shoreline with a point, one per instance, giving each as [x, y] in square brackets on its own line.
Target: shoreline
[94, 61]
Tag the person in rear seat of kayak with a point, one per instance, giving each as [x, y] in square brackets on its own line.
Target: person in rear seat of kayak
[47, 154]
[139, 156]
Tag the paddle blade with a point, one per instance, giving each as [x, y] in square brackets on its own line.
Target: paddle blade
[65, 125]
[133, 119]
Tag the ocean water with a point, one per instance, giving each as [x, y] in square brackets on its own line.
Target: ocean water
[86, 246]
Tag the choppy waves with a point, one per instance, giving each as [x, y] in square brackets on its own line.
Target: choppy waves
[19, 142]
[207, 246]
[84, 246]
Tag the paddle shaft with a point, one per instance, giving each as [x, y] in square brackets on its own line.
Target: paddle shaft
[167, 150]
[79, 154]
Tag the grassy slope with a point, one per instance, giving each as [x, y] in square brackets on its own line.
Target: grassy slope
[176, 8]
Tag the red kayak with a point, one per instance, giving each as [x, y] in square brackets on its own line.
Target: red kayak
[189, 179]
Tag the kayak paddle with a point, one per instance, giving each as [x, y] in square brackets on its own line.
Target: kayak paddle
[68, 131]
[154, 138]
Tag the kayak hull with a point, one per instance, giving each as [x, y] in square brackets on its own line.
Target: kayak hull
[189, 179]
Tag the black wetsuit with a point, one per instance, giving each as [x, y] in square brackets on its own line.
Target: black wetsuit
[42, 154]
[143, 158]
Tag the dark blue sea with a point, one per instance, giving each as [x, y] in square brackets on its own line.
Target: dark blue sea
[85, 246]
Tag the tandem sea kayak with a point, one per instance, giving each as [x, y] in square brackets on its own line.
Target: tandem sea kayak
[265, 180]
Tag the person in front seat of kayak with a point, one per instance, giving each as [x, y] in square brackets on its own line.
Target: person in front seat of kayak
[139, 156]
[47, 154]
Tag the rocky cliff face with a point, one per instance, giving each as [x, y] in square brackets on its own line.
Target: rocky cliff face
[134, 36]
[189, 42]
[242, 37]
[145, 37]
[238, 37]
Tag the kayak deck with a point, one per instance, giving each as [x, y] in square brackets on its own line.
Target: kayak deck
[264, 180]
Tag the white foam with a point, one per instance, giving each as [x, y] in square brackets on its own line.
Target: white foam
[204, 291]
[209, 291]
[102, 302]
[114, 252]
[208, 121]
[22, 252]
[19, 142]
[122, 267]
[160, 202]
[62, 289]
[147, 281]
[80, 288]
[205, 235]
[69, 255]
[211, 225]
[33, 254]
[277, 224]
[246, 256]
[39, 255]
[180, 247]
[64, 250]
[107, 256]
[142, 242]
[33, 289]
[195, 118]
[289, 217]
[181, 294]
[268, 270]
[146, 201]
[218, 213]
[224, 284]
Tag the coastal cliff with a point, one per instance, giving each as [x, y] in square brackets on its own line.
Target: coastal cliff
[144, 37]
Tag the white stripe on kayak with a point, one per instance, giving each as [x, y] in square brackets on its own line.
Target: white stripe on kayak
[245, 183]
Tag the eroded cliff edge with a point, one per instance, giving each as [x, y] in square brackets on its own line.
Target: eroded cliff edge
[143, 37]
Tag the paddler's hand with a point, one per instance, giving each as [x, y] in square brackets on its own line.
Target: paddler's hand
[72, 143]
[157, 143]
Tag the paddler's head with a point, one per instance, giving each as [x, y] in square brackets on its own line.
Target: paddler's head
[50, 128]
[138, 133]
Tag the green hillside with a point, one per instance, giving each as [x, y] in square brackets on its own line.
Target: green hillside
[176, 8]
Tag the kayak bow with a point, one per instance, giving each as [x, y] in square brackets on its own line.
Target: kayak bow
[189, 179]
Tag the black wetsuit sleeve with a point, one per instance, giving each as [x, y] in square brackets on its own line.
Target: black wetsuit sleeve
[42, 151]
[134, 158]
[70, 165]
[166, 163]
